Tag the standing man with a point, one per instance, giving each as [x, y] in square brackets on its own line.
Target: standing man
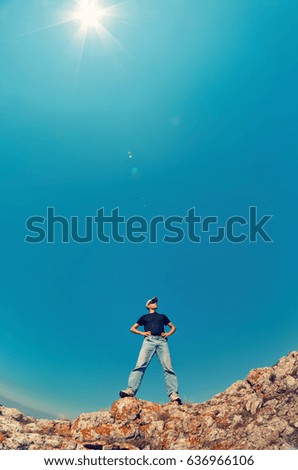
[155, 341]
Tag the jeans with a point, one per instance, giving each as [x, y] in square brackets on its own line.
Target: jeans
[150, 346]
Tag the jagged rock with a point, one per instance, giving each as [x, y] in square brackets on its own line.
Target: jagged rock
[259, 412]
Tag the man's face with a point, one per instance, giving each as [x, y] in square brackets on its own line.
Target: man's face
[153, 305]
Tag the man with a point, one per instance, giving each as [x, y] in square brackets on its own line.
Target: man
[155, 341]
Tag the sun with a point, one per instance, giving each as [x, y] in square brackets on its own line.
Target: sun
[90, 16]
[89, 13]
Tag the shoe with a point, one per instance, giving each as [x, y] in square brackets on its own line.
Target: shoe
[128, 392]
[175, 397]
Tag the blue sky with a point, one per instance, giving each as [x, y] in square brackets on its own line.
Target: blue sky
[204, 96]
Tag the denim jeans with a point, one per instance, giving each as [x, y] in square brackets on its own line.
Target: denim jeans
[150, 346]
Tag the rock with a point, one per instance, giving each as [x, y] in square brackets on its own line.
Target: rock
[259, 412]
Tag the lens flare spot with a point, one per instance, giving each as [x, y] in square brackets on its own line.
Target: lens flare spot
[135, 172]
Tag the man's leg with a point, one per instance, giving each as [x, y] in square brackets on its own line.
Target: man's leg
[164, 357]
[146, 353]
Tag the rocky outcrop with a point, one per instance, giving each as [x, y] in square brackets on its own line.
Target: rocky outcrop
[259, 412]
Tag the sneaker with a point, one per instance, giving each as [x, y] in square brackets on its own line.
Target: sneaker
[128, 392]
[175, 397]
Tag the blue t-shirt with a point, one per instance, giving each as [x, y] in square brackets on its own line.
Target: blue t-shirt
[153, 322]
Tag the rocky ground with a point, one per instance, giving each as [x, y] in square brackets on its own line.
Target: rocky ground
[259, 412]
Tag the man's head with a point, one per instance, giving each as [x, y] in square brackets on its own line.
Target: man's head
[152, 303]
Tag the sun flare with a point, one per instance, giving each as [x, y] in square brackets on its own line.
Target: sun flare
[91, 20]
[88, 13]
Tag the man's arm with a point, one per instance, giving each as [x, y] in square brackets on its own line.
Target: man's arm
[134, 329]
[172, 330]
